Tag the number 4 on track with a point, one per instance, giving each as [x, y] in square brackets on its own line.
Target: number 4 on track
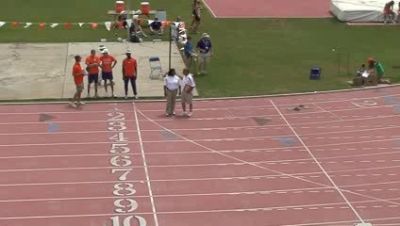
[119, 137]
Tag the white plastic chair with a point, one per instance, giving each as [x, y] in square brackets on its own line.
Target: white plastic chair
[155, 67]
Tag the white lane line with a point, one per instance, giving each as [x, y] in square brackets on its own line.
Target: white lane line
[172, 141]
[330, 112]
[319, 164]
[146, 170]
[80, 122]
[55, 144]
[347, 223]
[66, 183]
[209, 8]
[64, 169]
[60, 156]
[56, 112]
[60, 133]
[62, 199]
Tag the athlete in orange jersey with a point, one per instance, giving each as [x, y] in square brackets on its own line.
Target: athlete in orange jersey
[129, 72]
[92, 63]
[78, 74]
[108, 62]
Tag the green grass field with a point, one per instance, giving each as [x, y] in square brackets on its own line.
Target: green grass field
[252, 56]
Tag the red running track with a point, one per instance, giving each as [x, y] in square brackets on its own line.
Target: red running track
[334, 160]
[269, 8]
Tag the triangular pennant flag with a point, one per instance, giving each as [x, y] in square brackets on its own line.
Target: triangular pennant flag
[67, 25]
[2, 23]
[15, 24]
[42, 25]
[81, 24]
[94, 25]
[108, 25]
[53, 25]
[27, 24]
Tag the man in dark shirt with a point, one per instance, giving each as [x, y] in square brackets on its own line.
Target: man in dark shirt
[205, 50]
[156, 27]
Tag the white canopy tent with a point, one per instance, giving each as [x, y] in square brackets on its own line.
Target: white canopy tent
[359, 10]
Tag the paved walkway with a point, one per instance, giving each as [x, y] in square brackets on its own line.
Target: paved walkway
[43, 71]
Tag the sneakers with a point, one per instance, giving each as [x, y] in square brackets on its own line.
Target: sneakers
[187, 114]
[72, 104]
[168, 115]
[81, 103]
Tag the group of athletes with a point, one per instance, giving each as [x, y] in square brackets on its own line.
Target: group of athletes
[104, 63]
[173, 84]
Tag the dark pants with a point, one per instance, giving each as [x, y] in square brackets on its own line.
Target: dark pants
[133, 83]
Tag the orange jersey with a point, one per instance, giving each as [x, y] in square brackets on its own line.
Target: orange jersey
[106, 62]
[77, 72]
[129, 66]
[93, 60]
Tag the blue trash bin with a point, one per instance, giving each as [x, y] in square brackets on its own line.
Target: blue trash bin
[315, 73]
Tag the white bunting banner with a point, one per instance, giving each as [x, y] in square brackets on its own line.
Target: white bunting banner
[2, 23]
[81, 24]
[27, 24]
[108, 25]
[53, 25]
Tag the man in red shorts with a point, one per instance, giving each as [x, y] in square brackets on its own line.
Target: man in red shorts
[108, 62]
[78, 74]
[129, 72]
[92, 65]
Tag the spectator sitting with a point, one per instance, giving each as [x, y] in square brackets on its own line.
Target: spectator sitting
[398, 14]
[121, 22]
[380, 72]
[361, 76]
[177, 27]
[156, 27]
[388, 14]
[135, 30]
[362, 70]
[371, 79]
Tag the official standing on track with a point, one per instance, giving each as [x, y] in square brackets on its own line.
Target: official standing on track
[171, 89]
[129, 73]
[188, 85]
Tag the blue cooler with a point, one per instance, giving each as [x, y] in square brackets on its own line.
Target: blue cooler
[315, 73]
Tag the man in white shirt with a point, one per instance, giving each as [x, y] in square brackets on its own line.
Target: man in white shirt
[188, 85]
[171, 90]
